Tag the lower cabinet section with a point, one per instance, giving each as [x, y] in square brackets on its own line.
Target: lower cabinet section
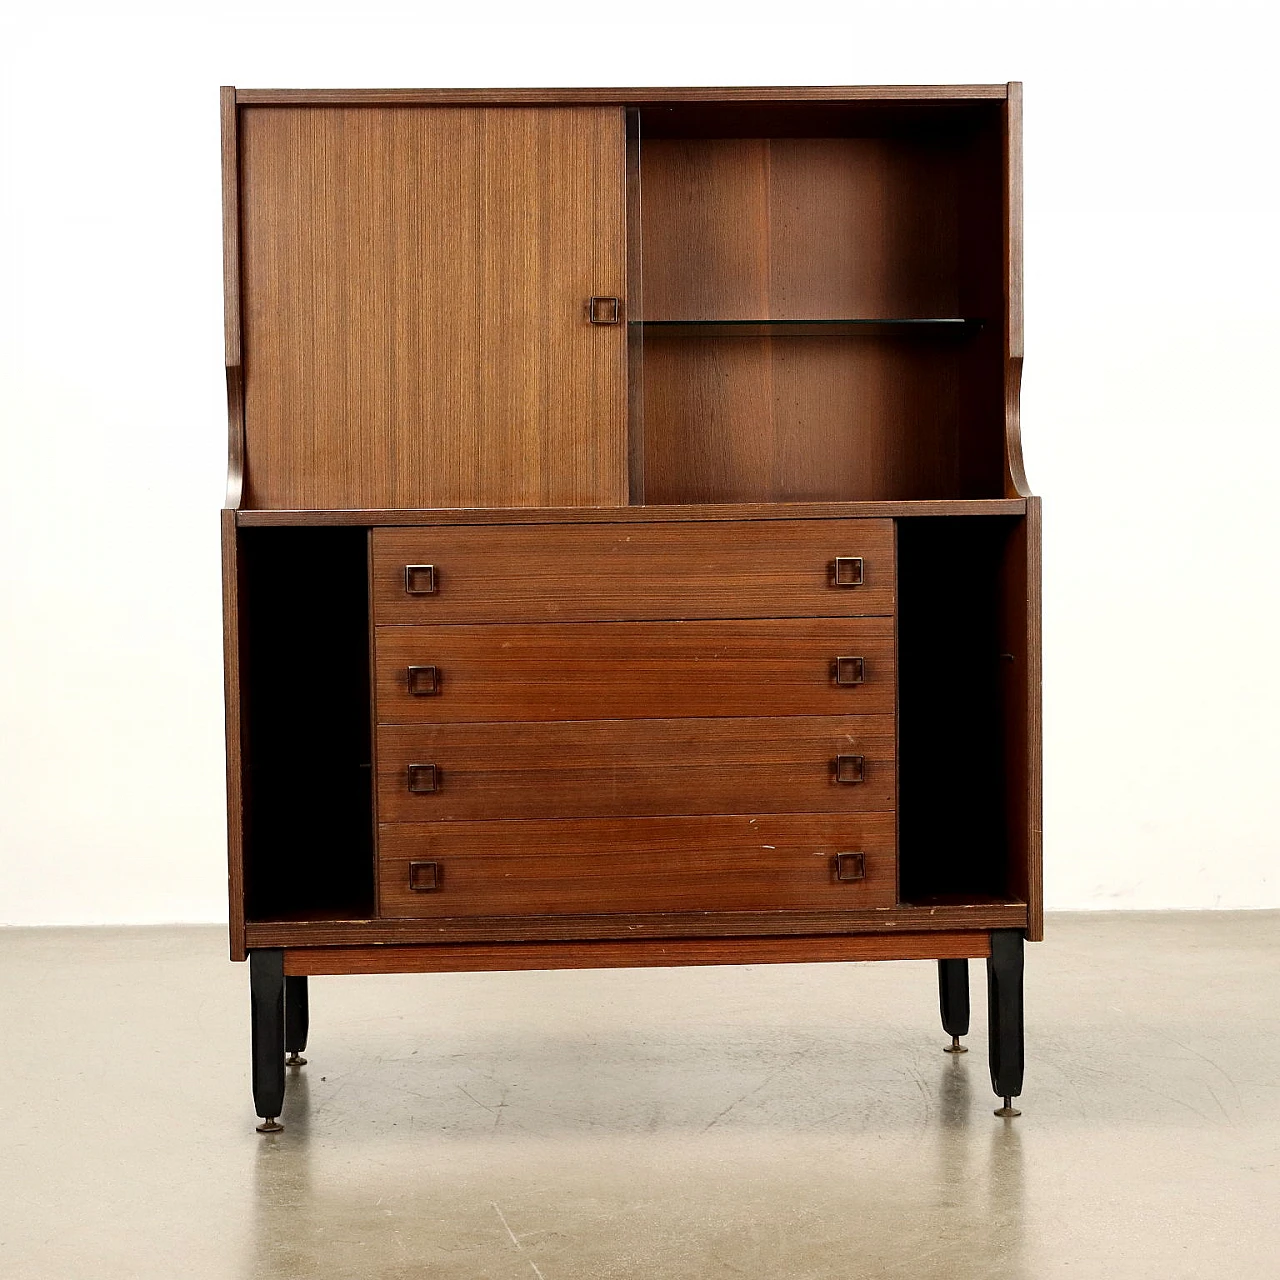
[755, 862]
[635, 768]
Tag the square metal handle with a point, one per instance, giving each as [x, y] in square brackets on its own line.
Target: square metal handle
[423, 778]
[604, 310]
[851, 866]
[420, 579]
[424, 681]
[846, 571]
[849, 769]
[424, 877]
[848, 670]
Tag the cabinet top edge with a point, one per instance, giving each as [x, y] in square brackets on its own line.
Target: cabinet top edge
[618, 97]
[248, 518]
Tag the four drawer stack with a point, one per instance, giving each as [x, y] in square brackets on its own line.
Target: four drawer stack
[635, 717]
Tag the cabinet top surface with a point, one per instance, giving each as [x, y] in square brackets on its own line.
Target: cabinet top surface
[620, 96]
[639, 514]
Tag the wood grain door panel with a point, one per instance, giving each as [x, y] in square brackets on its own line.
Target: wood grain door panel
[605, 572]
[626, 670]
[634, 768]
[766, 862]
[415, 284]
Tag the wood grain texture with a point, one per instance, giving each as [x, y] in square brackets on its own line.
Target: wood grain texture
[627, 670]
[935, 917]
[721, 863]
[980, 436]
[231, 298]
[235, 764]
[799, 228]
[415, 286]
[592, 572]
[635, 310]
[680, 512]
[794, 228]
[508, 956]
[635, 768]
[516, 97]
[801, 419]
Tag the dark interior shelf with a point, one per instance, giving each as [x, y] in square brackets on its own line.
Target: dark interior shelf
[931, 326]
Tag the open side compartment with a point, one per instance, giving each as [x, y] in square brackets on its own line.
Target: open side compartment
[817, 307]
[305, 735]
[962, 709]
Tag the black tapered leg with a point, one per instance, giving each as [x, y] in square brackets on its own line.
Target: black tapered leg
[1004, 1016]
[266, 999]
[953, 999]
[296, 1021]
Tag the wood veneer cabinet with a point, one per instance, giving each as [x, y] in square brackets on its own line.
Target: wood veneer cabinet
[628, 557]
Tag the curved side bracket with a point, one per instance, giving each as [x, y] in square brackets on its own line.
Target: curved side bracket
[1015, 482]
[235, 437]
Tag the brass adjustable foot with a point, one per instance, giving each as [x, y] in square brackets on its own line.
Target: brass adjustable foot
[1008, 1111]
[295, 1060]
[955, 1046]
[271, 1125]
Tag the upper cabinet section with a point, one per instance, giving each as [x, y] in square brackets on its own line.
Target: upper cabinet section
[414, 300]
[577, 298]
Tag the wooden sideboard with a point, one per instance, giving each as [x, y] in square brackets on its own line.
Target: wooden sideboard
[627, 555]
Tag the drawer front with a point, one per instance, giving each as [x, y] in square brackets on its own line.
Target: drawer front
[769, 862]
[623, 670]
[627, 572]
[635, 768]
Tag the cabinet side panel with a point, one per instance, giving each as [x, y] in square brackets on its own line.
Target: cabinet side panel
[1016, 476]
[231, 297]
[1020, 640]
[414, 299]
[235, 765]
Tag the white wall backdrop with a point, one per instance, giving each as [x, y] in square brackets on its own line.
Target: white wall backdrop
[1150, 401]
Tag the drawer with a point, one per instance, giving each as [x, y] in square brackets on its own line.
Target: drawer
[624, 670]
[635, 768]
[722, 863]
[769, 862]
[626, 572]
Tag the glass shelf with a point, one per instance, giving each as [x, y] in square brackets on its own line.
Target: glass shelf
[932, 326]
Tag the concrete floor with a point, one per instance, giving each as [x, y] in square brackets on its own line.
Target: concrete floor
[780, 1122]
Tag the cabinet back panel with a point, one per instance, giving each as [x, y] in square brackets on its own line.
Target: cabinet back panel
[306, 737]
[955, 678]
[798, 228]
[414, 285]
[801, 419]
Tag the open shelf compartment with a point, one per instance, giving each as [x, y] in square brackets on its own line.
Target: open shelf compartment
[305, 735]
[816, 303]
